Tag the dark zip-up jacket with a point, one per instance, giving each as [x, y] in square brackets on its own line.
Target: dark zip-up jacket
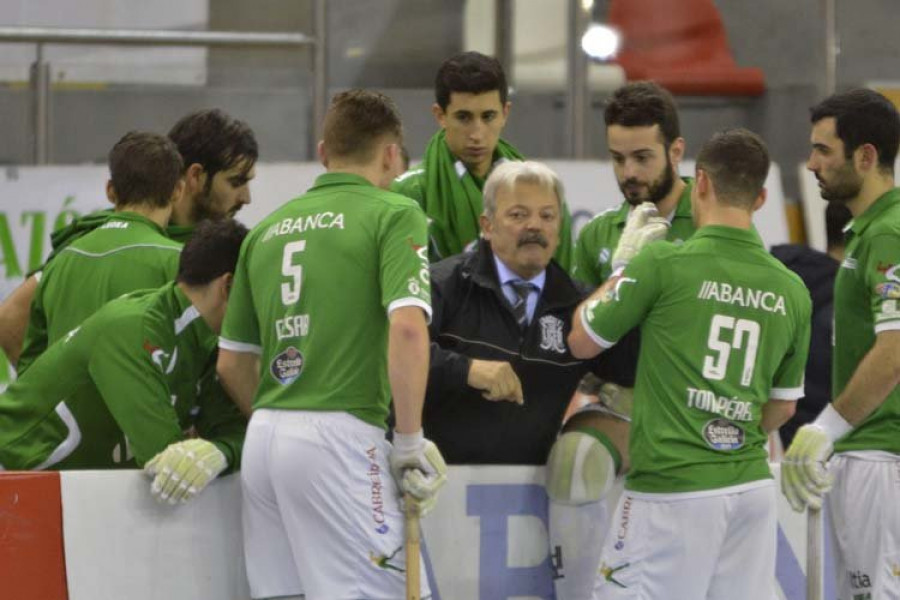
[472, 319]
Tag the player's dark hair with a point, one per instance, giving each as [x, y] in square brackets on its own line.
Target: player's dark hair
[356, 121]
[837, 215]
[211, 252]
[644, 104]
[472, 73]
[863, 116]
[737, 163]
[144, 169]
[215, 141]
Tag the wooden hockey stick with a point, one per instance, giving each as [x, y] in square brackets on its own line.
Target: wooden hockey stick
[411, 527]
[814, 549]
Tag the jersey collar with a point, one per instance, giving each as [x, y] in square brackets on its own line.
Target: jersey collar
[735, 234]
[188, 319]
[134, 218]
[884, 202]
[682, 209]
[338, 178]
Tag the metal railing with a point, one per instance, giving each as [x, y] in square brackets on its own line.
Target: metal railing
[40, 70]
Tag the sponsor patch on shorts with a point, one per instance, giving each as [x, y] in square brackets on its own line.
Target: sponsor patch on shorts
[723, 435]
[287, 366]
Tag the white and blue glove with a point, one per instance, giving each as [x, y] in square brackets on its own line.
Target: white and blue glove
[418, 468]
[644, 225]
[184, 469]
[804, 473]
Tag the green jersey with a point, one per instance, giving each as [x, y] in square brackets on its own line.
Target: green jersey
[724, 328]
[866, 297]
[127, 252]
[315, 283]
[599, 237]
[118, 389]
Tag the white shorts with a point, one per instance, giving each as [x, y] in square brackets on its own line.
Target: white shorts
[321, 511]
[864, 511]
[719, 546]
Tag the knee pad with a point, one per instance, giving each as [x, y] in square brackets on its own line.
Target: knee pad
[582, 467]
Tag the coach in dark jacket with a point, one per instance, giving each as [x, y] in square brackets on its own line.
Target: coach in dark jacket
[501, 374]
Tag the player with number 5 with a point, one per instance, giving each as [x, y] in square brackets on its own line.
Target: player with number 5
[328, 324]
[724, 341]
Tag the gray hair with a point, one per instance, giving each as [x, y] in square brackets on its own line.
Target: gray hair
[507, 174]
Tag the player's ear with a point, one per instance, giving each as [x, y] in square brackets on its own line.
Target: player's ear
[227, 281]
[111, 192]
[195, 177]
[323, 156]
[506, 108]
[439, 115]
[702, 183]
[866, 157]
[760, 200]
[177, 191]
[676, 151]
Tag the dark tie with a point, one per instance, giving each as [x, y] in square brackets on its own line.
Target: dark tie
[520, 307]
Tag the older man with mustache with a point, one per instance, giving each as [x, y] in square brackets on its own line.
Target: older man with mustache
[501, 374]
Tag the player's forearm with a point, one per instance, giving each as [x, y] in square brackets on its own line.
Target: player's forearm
[408, 358]
[876, 376]
[239, 374]
[14, 318]
[776, 413]
[581, 345]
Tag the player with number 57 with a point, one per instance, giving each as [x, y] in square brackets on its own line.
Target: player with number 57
[724, 341]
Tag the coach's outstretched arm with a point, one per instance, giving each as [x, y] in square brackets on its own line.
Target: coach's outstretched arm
[416, 463]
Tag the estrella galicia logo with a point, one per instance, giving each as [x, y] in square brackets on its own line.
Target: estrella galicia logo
[723, 435]
[287, 366]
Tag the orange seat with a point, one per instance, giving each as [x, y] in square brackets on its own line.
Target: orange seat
[681, 45]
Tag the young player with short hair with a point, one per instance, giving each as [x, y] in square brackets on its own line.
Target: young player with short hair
[697, 518]
[327, 323]
[471, 106]
[130, 251]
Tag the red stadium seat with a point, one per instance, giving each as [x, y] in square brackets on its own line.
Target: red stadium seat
[682, 45]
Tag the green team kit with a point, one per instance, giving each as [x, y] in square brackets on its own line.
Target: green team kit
[323, 349]
[122, 253]
[867, 301]
[599, 237]
[724, 328]
[119, 389]
[452, 199]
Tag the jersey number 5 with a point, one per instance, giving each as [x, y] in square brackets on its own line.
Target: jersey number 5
[290, 291]
[745, 336]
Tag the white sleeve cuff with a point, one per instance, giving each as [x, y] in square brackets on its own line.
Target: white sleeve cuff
[887, 326]
[832, 423]
[411, 301]
[600, 341]
[794, 393]
[234, 346]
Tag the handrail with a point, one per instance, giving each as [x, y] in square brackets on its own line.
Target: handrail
[151, 37]
[161, 37]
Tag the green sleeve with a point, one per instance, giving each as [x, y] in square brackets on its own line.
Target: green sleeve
[219, 420]
[240, 324]
[627, 303]
[564, 252]
[584, 267]
[134, 387]
[403, 244]
[788, 381]
[36, 336]
[410, 184]
[882, 279]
